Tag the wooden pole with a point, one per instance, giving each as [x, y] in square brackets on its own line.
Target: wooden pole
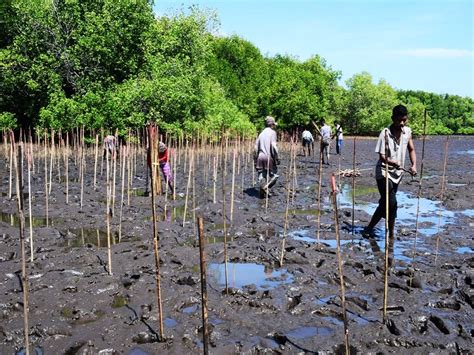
[10, 163]
[224, 207]
[96, 155]
[387, 242]
[353, 184]
[320, 181]
[232, 192]
[285, 226]
[29, 159]
[339, 262]
[24, 274]
[188, 186]
[441, 195]
[202, 257]
[66, 159]
[418, 196]
[46, 193]
[123, 156]
[153, 156]
[107, 212]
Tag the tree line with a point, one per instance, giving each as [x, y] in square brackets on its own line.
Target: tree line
[114, 64]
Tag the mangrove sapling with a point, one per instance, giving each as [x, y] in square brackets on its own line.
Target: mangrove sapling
[418, 196]
[387, 233]
[152, 139]
[339, 262]
[24, 274]
[441, 195]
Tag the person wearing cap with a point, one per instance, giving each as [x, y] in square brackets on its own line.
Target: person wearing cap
[163, 160]
[392, 147]
[266, 156]
[326, 134]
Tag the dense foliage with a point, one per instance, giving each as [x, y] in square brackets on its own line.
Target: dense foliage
[113, 64]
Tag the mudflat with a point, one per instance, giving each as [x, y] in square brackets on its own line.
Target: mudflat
[76, 307]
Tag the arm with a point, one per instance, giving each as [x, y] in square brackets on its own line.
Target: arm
[412, 155]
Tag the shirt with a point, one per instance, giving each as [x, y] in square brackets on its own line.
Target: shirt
[307, 135]
[326, 132]
[397, 151]
[339, 132]
[265, 147]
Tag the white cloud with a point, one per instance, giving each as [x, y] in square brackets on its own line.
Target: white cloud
[434, 53]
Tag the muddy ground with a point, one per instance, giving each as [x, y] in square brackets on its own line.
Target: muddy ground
[76, 307]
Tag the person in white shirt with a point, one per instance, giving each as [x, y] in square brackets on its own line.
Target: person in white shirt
[392, 146]
[339, 138]
[326, 134]
[308, 141]
[266, 156]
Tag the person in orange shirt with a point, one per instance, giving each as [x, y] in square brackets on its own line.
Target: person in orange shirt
[163, 160]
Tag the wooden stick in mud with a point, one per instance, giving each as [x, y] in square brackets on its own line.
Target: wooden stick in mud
[24, 274]
[320, 181]
[114, 164]
[123, 156]
[10, 180]
[202, 257]
[441, 196]
[174, 156]
[418, 196]
[387, 242]
[107, 212]
[232, 192]
[154, 158]
[224, 216]
[285, 226]
[66, 160]
[353, 184]
[29, 159]
[46, 193]
[96, 155]
[339, 262]
[214, 180]
[188, 186]
[81, 167]
[51, 163]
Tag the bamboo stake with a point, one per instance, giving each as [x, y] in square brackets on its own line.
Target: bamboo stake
[339, 262]
[81, 166]
[129, 167]
[29, 158]
[46, 193]
[224, 216]
[51, 163]
[188, 186]
[66, 159]
[387, 242]
[95, 160]
[443, 185]
[232, 192]
[285, 226]
[24, 274]
[107, 211]
[418, 196]
[10, 181]
[353, 184]
[114, 164]
[123, 157]
[202, 257]
[320, 180]
[174, 156]
[214, 197]
[153, 155]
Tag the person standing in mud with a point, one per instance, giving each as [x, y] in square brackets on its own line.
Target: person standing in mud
[266, 157]
[326, 134]
[339, 138]
[109, 145]
[163, 159]
[308, 141]
[399, 143]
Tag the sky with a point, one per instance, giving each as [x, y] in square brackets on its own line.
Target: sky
[412, 44]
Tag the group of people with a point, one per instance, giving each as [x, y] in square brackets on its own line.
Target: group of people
[393, 145]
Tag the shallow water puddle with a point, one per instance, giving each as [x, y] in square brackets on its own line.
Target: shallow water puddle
[87, 236]
[170, 323]
[14, 220]
[431, 213]
[464, 250]
[244, 274]
[307, 332]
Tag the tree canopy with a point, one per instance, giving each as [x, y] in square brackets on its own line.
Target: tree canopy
[113, 64]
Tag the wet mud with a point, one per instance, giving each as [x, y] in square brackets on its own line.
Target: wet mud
[76, 307]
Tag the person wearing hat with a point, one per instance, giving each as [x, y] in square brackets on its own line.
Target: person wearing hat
[266, 156]
[163, 160]
[109, 145]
